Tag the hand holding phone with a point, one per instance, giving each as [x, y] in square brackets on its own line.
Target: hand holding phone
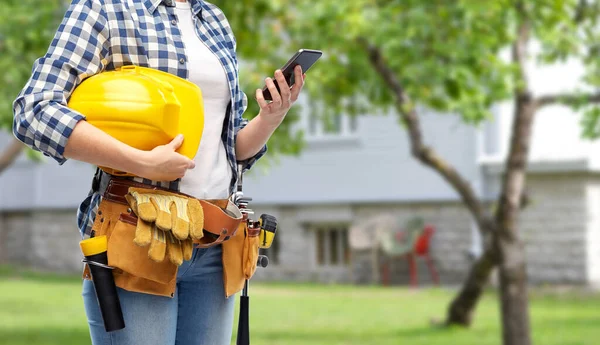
[272, 113]
[303, 57]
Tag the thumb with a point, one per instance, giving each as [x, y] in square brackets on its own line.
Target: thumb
[176, 142]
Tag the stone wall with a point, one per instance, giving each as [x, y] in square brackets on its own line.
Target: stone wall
[297, 256]
[450, 244]
[560, 230]
[554, 228]
[44, 240]
[297, 252]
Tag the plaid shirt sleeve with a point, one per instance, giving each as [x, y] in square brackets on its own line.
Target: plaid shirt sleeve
[79, 49]
[241, 122]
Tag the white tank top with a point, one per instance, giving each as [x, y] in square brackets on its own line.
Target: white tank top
[211, 177]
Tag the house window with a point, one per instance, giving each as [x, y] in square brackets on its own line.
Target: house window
[336, 125]
[331, 243]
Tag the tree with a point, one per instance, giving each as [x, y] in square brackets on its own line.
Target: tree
[444, 55]
[391, 55]
[26, 29]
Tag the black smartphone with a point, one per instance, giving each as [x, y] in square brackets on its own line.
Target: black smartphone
[303, 57]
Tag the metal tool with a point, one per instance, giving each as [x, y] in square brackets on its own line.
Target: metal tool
[267, 225]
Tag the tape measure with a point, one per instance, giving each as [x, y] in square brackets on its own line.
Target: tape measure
[268, 227]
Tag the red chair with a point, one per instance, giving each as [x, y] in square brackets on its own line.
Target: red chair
[420, 248]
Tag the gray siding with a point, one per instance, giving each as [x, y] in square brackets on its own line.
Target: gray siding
[372, 165]
[27, 185]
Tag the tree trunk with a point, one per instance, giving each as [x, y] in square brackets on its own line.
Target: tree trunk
[506, 243]
[513, 270]
[513, 293]
[10, 154]
[511, 251]
[462, 308]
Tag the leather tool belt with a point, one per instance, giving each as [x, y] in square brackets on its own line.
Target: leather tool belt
[224, 225]
[221, 217]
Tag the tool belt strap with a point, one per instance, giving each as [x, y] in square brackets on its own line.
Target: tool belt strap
[221, 216]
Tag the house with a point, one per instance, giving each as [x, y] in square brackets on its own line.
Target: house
[362, 169]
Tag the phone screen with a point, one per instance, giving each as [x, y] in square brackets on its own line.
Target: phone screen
[305, 58]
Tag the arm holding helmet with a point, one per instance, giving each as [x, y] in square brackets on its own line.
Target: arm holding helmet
[89, 144]
[43, 122]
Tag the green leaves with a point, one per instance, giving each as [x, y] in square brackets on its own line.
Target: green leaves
[446, 54]
[26, 29]
[590, 123]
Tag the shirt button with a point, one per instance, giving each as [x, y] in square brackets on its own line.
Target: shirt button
[174, 22]
[182, 61]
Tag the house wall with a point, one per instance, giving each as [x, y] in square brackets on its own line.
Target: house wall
[373, 164]
[554, 228]
[42, 240]
[559, 229]
[593, 231]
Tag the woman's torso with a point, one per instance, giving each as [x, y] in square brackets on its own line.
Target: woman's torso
[147, 33]
[212, 175]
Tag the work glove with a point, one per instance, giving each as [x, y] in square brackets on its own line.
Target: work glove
[167, 222]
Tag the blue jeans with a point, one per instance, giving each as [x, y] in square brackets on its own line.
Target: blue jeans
[198, 313]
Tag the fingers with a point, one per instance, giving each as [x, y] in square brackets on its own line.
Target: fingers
[143, 233]
[299, 76]
[187, 247]
[174, 250]
[179, 161]
[284, 88]
[260, 98]
[190, 163]
[158, 246]
[285, 96]
[176, 142]
[274, 93]
[146, 210]
[196, 216]
[163, 217]
[180, 227]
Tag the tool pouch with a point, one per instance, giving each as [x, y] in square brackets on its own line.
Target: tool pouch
[250, 254]
[134, 270]
[240, 257]
[130, 258]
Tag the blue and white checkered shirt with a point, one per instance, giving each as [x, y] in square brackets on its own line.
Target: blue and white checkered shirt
[101, 35]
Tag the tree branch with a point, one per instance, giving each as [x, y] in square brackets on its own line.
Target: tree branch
[519, 51]
[567, 99]
[11, 153]
[513, 182]
[427, 155]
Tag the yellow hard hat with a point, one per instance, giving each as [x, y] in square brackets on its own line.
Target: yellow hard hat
[142, 107]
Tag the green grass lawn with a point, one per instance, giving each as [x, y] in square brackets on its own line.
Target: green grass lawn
[37, 309]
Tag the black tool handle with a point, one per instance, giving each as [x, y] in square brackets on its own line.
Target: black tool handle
[243, 334]
[106, 292]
